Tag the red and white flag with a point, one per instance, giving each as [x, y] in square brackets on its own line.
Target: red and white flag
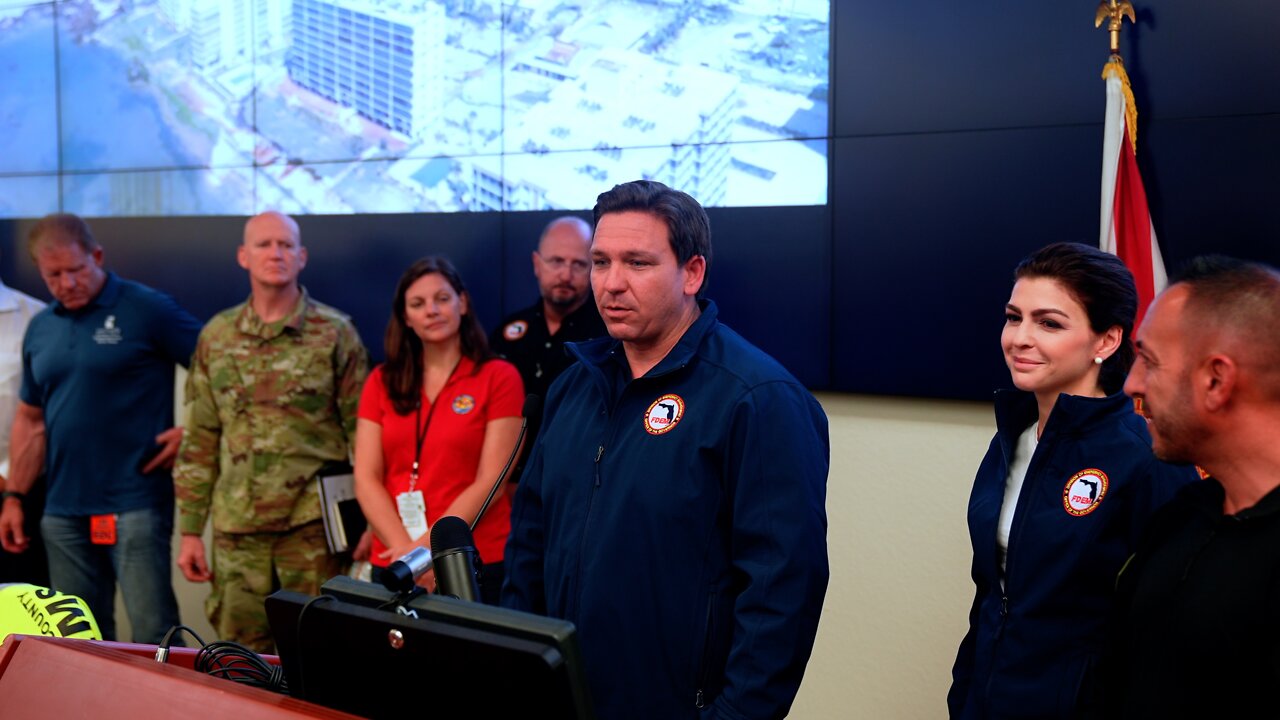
[1126, 223]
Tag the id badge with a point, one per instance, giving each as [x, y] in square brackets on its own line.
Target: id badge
[413, 513]
[102, 529]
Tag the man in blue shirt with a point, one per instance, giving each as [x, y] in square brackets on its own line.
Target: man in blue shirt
[95, 412]
[673, 508]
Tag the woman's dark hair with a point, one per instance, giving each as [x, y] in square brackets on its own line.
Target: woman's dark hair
[1103, 286]
[402, 372]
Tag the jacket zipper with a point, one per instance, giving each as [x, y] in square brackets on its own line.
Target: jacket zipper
[699, 700]
[1019, 521]
[582, 545]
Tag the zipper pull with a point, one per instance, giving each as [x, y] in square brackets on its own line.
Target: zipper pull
[599, 454]
[699, 702]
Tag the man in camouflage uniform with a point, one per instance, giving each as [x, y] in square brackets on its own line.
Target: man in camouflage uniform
[274, 386]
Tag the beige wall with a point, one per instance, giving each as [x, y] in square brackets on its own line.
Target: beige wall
[899, 550]
[900, 592]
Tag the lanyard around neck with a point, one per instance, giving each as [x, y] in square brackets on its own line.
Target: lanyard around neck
[420, 428]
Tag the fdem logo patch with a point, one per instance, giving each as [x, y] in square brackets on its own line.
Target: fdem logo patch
[515, 330]
[464, 404]
[663, 415]
[1084, 492]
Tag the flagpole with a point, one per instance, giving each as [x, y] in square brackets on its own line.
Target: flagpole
[1114, 13]
[1126, 226]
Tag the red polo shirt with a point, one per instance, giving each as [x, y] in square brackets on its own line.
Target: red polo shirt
[451, 449]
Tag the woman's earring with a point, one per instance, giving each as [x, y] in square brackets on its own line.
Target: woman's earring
[1097, 359]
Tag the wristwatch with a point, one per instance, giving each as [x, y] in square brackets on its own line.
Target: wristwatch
[11, 493]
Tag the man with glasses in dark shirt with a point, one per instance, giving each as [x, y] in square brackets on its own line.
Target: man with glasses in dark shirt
[533, 339]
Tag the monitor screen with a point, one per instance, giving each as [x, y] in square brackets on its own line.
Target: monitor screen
[181, 107]
[356, 649]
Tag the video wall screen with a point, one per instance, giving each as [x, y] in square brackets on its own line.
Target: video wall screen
[227, 107]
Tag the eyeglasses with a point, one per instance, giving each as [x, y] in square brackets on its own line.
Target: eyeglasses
[557, 263]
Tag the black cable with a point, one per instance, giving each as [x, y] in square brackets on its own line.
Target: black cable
[162, 651]
[301, 655]
[237, 663]
[401, 599]
[229, 661]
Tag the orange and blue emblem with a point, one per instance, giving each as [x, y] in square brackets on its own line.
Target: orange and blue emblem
[1084, 492]
[515, 330]
[663, 414]
[464, 404]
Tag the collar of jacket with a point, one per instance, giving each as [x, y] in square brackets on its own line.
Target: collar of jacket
[595, 354]
[1072, 415]
[105, 298]
[1208, 496]
[250, 324]
[8, 298]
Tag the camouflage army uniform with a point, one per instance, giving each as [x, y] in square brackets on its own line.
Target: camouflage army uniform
[270, 404]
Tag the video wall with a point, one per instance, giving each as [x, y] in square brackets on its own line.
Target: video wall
[120, 108]
[960, 138]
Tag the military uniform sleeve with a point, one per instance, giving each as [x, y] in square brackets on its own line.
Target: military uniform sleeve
[197, 466]
[351, 365]
[777, 469]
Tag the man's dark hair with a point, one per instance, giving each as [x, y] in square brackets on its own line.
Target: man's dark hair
[62, 227]
[1103, 286]
[688, 228]
[1241, 298]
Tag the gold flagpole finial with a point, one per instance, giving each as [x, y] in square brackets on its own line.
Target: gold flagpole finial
[1114, 11]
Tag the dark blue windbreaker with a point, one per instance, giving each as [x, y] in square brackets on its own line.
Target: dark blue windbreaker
[1091, 488]
[678, 520]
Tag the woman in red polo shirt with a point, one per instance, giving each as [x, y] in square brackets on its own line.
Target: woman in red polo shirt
[437, 422]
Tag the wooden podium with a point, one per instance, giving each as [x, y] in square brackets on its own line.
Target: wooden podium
[42, 677]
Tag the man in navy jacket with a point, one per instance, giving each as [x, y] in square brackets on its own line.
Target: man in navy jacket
[673, 507]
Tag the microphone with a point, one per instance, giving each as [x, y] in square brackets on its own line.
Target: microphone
[532, 411]
[400, 576]
[533, 422]
[454, 551]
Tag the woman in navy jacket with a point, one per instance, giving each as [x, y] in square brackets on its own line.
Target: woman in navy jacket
[1063, 494]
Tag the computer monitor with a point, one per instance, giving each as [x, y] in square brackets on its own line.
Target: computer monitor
[361, 649]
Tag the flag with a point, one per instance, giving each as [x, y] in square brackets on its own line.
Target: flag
[1126, 228]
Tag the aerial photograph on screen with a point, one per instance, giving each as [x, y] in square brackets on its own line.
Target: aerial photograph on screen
[167, 107]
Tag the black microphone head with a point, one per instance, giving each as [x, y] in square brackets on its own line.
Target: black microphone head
[401, 575]
[450, 533]
[397, 577]
[532, 407]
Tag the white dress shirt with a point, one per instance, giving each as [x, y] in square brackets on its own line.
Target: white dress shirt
[16, 310]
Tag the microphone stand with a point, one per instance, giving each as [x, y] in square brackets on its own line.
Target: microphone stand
[532, 406]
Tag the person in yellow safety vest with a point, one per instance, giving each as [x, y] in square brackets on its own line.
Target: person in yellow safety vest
[33, 610]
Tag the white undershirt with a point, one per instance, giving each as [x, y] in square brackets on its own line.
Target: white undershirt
[16, 310]
[1018, 464]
